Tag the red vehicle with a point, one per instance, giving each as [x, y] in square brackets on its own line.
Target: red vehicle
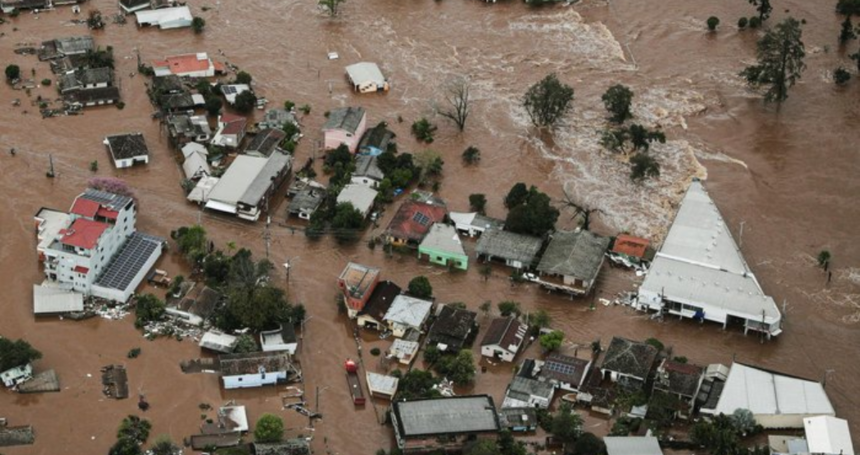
[354, 383]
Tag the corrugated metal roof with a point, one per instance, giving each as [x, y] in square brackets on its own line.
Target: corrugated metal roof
[237, 179]
[362, 72]
[443, 238]
[274, 166]
[48, 300]
[632, 445]
[828, 435]
[464, 414]
[408, 310]
[767, 393]
[361, 197]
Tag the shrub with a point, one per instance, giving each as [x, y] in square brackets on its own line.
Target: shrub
[243, 78]
[375, 352]
[713, 22]
[423, 130]
[46, 82]
[270, 428]
[742, 23]
[198, 24]
[841, 76]
[13, 72]
[754, 22]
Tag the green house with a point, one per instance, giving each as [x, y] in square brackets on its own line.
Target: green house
[442, 246]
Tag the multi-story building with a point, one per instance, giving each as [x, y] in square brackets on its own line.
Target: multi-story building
[95, 248]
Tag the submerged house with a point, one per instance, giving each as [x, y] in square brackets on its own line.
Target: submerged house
[528, 393]
[366, 77]
[504, 339]
[306, 202]
[248, 184]
[17, 375]
[518, 251]
[345, 126]
[255, 369]
[376, 140]
[442, 424]
[357, 283]
[361, 197]
[699, 272]
[572, 261]
[367, 171]
[473, 223]
[281, 339]
[372, 316]
[97, 250]
[231, 131]
[452, 329]
[166, 18]
[681, 381]
[126, 150]
[65, 47]
[184, 128]
[407, 313]
[265, 142]
[89, 97]
[563, 372]
[442, 246]
[412, 222]
[628, 362]
[85, 79]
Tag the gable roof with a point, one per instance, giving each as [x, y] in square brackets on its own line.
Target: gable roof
[380, 300]
[266, 141]
[680, 378]
[563, 368]
[574, 253]
[185, 63]
[346, 119]
[124, 146]
[83, 233]
[237, 179]
[360, 196]
[277, 164]
[85, 207]
[451, 415]
[630, 246]
[377, 138]
[366, 166]
[509, 246]
[362, 72]
[508, 333]
[443, 238]
[632, 445]
[409, 311]
[232, 124]
[413, 220]
[253, 362]
[452, 326]
[629, 357]
[476, 220]
[94, 95]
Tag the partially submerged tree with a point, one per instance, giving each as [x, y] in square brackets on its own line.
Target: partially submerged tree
[134, 429]
[471, 155]
[548, 101]
[477, 203]
[566, 424]
[617, 100]
[417, 384]
[533, 215]
[763, 8]
[420, 287]
[423, 130]
[245, 102]
[332, 6]
[13, 72]
[712, 22]
[165, 446]
[508, 308]
[148, 308]
[456, 103]
[198, 24]
[780, 55]
[847, 32]
[458, 368]
[346, 222]
[192, 242]
[16, 353]
[551, 341]
[643, 167]
[269, 428]
[245, 343]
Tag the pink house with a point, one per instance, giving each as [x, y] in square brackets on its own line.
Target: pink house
[345, 126]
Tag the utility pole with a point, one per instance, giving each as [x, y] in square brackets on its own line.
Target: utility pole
[268, 235]
[51, 163]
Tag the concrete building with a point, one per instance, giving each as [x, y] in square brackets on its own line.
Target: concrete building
[248, 184]
[632, 445]
[230, 132]
[474, 224]
[528, 393]
[563, 372]
[451, 329]
[126, 150]
[214, 340]
[282, 339]
[828, 436]
[345, 126]
[503, 339]
[357, 283]
[17, 375]
[699, 272]
[367, 171]
[442, 246]
[442, 424]
[97, 250]
[628, 362]
[255, 369]
[372, 316]
[381, 385]
[164, 19]
[407, 313]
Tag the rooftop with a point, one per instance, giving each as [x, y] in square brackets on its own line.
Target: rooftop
[439, 416]
[630, 246]
[530, 387]
[509, 246]
[565, 369]
[307, 200]
[574, 253]
[358, 279]
[108, 200]
[218, 341]
[128, 262]
[452, 326]
[266, 141]
[277, 164]
[365, 166]
[443, 238]
[381, 299]
[232, 124]
[94, 95]
[51, 300]
[413, 220]
[768, 393]
[632, 445]
[361, 197]
[276, 118]
[476, 220]
[347, 119]
[124, 146]
[254, 362]
[408, 311]
[680, 378]
[380, 383]
[365, 72]
[288, 447]
[518, 417]
[237, 179]
[828, 435]
[507, 333]
[378, 138]
[631, 358]
[83, 233]
[75, 44]
[284, 335]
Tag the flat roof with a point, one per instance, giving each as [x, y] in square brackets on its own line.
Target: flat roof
[632, 445]
[408, 310]
[767, 393]
[358, 279]
[128, 262]
[360, 196]
[237, 179]
[50, 299]
[52, 221]
[380, 383]
[365, 72]
[828, 435]
[218, 341]
[451, 415]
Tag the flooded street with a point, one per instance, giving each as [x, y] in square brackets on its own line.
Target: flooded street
[787, 175]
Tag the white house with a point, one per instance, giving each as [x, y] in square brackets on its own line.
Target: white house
[381, 385]
[17, 375]
[775, 400]
[361, 197]
[247, 185]
[230, 132]
[367, 171]
[254, 369]
[528, 393]
[231, 91]
[473, 223]
[97, 250]
[167, 18]
[282, 339]
[195, 65]
[195, 166]
[504, 339]
[366, 77]
[700, 273]
[407, 313]
[404, 351]
[214, 340]
[126, 150]
[828, 435]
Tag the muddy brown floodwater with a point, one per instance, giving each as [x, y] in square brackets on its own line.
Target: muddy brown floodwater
[788, 175]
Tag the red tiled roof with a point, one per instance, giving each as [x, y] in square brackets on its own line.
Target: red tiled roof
[107, 213]
[84, 233]
[631, 246]
[233, 124]
[683, 368]
[81, 269]
[404, 224]
[219, 67]
[85, 207]
[180, 64]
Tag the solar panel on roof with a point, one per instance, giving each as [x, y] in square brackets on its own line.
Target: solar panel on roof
[421, 218]
[229, 90]
[559, 368]
[127, 263]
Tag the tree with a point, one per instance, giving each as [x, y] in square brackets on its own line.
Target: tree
[508, 445]
[245, 343]
[16, 353]
[841, 76]
[763, 8]
[111, 185]
[617, 100]
[579, 210]
[824, 257]
[588, 444]
[420, 287]
[417, 384]
[471, 155]
[245, 102]
[780, 56]
[641, 137]
[540, 319]
[269, 428]
[94, 20]
[192, 242]
[423, 130]
[456, 103]
[481, 447]
[148, 308]
[331, 6]
[657, 344]
[165, 446]
[432, 354]
[459, 368]
[566, 424]
[713, 22]
[643, 166]
[535, 216]
[742, 23]
[477, 203]
[213, 105]
[347, 222]
[743, 421]
[719, 435]
[509, 307]
[517, 195]
[125, 446]
[13, 72]
[243, 78]
[548, 101]
[258, 309]
[856, 57]
[431, 163]
[134, 429]
[486, 308]
[847, 33]
[198, 24]
[551, 341]
[848, 7]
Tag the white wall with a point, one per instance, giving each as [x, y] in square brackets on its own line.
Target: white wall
[252, 380]
[492, 350]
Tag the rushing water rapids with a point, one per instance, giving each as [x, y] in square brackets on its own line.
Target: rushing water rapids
[788, 174]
